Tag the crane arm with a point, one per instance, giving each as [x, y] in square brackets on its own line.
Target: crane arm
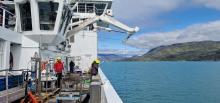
[116, 23]
[105, 18]
[82, 26]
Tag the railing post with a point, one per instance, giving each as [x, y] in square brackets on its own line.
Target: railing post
[85, 8]
[94, 8]
[77, 9]
[6, 86]
[3, 19]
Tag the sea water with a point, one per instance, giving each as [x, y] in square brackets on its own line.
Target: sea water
[165, 82]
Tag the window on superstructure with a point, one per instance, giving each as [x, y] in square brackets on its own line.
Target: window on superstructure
[99, 8]
[90, 8]
[82, 8]
[25, 13]
[1, 17]
[47, 15]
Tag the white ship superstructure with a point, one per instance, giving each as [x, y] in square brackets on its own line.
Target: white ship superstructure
[38, 31]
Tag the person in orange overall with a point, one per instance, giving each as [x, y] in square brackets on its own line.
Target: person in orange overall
[58, 67]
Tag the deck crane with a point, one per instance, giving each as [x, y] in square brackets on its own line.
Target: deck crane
[104, 18]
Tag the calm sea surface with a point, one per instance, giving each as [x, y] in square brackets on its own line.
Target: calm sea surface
[165, 82]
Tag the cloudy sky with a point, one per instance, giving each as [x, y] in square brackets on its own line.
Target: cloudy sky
[162, 22]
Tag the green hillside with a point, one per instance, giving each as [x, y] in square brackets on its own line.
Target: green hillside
[191, 51]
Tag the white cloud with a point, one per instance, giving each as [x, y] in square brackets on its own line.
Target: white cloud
[209, 3]
[131, 9]
[196, 32]
[147, 10]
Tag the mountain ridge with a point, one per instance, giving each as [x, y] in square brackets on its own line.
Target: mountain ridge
[190, 51]
[110, 57]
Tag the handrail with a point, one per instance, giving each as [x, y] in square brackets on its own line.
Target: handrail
[7, 81]
[1, 7]
[5, 17]
[109, 91]
[3, 70]
[95, 9]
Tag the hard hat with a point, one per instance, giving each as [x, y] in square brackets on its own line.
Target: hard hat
[58, 58]
[97, 61]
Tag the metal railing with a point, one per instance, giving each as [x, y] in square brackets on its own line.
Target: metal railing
[6, 84]
[7, 18]
[7, 73]
[89, 9]
[108, 92]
